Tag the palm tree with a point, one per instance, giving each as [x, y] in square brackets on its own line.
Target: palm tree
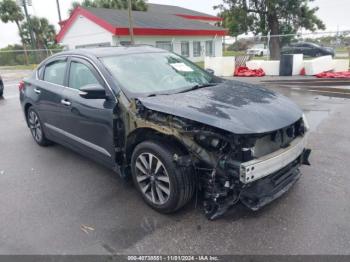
[11, 12]
[136, 5]
[44, 33]
[85, 3]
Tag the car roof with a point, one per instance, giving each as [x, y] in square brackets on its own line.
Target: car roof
[112, 51]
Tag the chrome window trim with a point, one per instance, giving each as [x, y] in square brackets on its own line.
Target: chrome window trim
[91, 62]
[79, 140]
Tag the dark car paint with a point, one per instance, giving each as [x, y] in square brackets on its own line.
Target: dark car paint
[307, 50]
[86, 125]
[1, 86]
[103, 129]
[233, 106]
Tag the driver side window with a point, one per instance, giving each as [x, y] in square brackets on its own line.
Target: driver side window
[80, 75]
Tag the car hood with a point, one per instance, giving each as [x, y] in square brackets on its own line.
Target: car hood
[233, 106]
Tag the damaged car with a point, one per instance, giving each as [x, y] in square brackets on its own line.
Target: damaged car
[177, 130]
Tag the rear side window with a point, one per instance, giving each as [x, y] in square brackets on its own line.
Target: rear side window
[54, 72]
[80, 75]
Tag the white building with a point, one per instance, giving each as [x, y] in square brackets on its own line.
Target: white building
[186, 32]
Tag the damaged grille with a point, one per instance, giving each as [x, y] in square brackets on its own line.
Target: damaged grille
[276, 140]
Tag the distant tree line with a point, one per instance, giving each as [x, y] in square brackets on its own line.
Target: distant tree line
[269, 16]
[44, 33]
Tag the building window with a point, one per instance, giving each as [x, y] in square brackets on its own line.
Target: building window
[196, 48]
[209, 48]
[185, 49]
[166, 45]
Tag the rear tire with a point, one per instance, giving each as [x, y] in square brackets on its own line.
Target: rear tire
[164, 185]
[36, 128]
[1, 88]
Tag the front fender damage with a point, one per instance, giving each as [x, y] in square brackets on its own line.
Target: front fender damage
[214, 155]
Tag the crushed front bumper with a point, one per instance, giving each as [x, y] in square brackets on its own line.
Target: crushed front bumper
[258, 168]
[263, 191]
[258, 181]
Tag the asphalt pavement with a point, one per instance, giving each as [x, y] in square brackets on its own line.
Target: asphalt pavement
[54, 201]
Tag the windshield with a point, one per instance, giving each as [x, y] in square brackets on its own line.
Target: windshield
[155, 73]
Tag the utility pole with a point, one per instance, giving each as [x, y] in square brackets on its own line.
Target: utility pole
[59, 10]
[131, 23]
[32, 39]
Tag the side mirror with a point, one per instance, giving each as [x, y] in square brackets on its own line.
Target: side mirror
[210, 71]
[93, 91]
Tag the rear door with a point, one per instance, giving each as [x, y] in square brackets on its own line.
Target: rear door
[46, 91]
[88, 123]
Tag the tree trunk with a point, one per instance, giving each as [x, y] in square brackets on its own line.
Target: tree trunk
[275, 43]
[23, 44]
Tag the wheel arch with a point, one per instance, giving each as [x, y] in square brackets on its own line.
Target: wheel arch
[145, 134]
[26, 108]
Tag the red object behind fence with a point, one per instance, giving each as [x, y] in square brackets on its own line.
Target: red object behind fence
[345, 74]
[245, 71]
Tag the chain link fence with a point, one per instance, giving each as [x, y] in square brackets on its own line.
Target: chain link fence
[22, 57]
[311, 45]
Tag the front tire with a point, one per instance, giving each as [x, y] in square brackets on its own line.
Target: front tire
[163, 184]
[36, 128]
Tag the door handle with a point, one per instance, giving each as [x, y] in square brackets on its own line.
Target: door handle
[36, 90]
[65, 102]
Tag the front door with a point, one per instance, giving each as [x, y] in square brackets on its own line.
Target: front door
[88, 123]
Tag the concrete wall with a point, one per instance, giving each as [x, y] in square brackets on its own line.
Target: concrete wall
[85, 32]
[176, 40]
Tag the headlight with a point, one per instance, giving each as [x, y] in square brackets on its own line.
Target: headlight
[306, 123]
[209, 142]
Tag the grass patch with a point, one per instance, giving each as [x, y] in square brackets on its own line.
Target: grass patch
[200, 64]
[342, 49]
[19, 67]
[233, 53]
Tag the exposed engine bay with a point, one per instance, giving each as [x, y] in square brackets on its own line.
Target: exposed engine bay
[254, 168]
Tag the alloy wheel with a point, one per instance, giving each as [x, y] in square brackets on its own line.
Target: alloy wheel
[153, 178]
[35, 126]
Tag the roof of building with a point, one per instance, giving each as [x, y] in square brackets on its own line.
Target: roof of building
[156, 21]
[180, 11]
[119, 18]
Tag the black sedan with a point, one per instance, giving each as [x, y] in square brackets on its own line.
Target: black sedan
[307, 49]
[174, 128]
[1, 87]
